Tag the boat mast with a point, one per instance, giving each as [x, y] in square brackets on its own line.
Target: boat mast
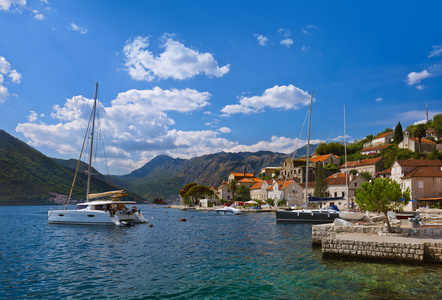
[308, 151]
[92, 144]
[346, 173]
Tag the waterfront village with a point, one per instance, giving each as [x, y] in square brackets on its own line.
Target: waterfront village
[285, 185]
[406, 239]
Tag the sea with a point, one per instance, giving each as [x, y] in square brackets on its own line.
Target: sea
[209, 256]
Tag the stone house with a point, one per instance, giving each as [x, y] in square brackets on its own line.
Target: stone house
[289, 190]
[385, 174]
[413, 143]
[383, 139]
[422, 176]
[337, 187]
[239, 176]
[371, 165]
[259, 190]
[374, 150]
[268, 171]
[295, 169]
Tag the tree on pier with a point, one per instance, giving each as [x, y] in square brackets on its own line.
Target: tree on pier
[382, 195]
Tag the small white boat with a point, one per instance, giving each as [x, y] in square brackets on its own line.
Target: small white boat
[228, 211]
[351, 216]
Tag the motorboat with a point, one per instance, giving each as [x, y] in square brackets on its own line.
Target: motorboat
[109, 209]
[228, 210]
[307, 215]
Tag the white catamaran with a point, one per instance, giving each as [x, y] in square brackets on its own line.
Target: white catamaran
[108, 209]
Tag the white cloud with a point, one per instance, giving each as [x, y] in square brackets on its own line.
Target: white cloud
[420, 87]
[287, 42]
[262, 40]
[5, 69]
[280, 97]
[38, 15]
[436, 52]
[15, 76]
[305, 49]
[75, 27]
[378, 99]
[414, 77]
[7, 4]
[177, 61]
[276, 144]
[32, 116]
[225, 130]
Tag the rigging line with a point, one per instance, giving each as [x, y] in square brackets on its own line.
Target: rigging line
[100, 133]
[79, 160]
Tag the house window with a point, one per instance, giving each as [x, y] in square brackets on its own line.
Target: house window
[336, 194]
[343, 194]
[356, 184]
[420, 184]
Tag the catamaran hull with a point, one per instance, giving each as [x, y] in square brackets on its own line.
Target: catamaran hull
[300, 216]
[76, 217]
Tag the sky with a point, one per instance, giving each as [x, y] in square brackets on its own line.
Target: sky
[190, 78]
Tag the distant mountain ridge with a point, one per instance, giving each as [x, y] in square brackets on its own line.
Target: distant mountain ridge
[27, 176]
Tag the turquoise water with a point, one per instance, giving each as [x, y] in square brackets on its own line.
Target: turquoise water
[212, 257]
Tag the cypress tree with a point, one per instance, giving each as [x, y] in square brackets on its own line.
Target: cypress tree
[321, 186]
[398, 134]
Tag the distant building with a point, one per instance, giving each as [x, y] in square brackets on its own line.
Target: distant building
[383, 139]
[289, 190]
[413, 143]
[259, 190]
[337, 187]
[295, 169]
[374, 150]
[268, 171]
[371, 165]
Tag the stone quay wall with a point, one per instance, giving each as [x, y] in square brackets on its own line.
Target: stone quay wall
[412, 244]
[371, 249]
[326, 231]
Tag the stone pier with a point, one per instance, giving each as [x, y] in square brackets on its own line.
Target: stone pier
[412, 244]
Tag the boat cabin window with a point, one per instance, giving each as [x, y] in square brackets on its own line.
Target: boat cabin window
[81, 206]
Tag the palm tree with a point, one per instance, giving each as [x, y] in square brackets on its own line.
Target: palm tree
[244, 192]
[233, 186]
[419, 132]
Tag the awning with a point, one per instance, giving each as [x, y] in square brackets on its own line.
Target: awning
[105, 194]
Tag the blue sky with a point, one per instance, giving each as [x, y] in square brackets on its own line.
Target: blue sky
[188, 78]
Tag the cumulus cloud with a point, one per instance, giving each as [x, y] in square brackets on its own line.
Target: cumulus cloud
[436, 52]
[5, 70]
[279, 97]
[225, 130]
[7, 4]
[276, 144]
[75, 27]
[136, 120]
[416, 77]
[287, 42]
[378, 99]
[262, 40]
[177, 61]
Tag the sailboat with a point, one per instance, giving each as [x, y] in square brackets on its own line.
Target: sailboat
[108, 208]
[307, 215]
[348, 215]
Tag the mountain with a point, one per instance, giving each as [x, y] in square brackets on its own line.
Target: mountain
[27, 177]
[163, 176]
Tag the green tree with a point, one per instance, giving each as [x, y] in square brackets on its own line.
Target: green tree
[398, 135]
[332, 167]
[321, 186]
[438, 129]
[382, 195]
[233, 186]
[419, 131]
[435, 155]
[367, 176]
[198, 191]
[244, 192]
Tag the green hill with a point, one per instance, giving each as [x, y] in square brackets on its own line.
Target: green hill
[27, 177]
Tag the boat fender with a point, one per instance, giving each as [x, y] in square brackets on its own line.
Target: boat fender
[182, 220]
[166, 211]
[150, 225]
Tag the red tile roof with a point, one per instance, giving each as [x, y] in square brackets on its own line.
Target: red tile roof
[383, 135]
[387, 171]
[310, 185]
[375, 148]
[424, 172]
[419, 162]
[423, 140]
[364, 162]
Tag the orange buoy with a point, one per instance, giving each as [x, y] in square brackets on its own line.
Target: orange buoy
[150, 225]
[182, 220]
[166, 211]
